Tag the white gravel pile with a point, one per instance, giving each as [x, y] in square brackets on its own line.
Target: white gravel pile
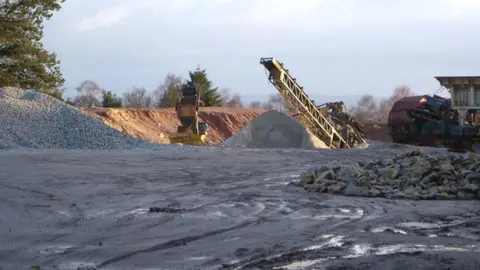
[274, 129]
[29, 119]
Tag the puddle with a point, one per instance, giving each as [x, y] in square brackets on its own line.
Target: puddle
[203, 258]
[360, 250]
[428, 225]
[357, 213]
[96, 214]
[231, 239]
[206, 215]
[56, 249]
[385, 229]
[391, 249]
[138, 211]
[302, 264]
[335, 241]
[462, 228]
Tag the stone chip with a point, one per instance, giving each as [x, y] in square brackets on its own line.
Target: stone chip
[412, 175]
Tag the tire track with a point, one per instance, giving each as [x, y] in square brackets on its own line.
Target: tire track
[179, 242]
[267, 260]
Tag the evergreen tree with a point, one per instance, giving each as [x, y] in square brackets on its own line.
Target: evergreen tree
[24, 61]
[110, 100]
[209, 95]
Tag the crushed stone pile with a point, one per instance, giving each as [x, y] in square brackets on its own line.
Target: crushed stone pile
[29, 119]
[412, 175]
[273, 129]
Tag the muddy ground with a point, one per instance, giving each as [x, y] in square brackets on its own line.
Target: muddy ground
[224, 209]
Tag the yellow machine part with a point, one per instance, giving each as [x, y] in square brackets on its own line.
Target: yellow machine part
[324, 112]
[187, 138]
[188, 111]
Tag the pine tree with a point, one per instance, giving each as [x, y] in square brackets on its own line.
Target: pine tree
[209, 95]
[24, 61]
[110, 100]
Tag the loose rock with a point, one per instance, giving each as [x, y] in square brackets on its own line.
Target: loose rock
[413, 175]
[32, 120]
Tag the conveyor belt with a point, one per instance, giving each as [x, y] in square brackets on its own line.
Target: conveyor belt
[310, 114]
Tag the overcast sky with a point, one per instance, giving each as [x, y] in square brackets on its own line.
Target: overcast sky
[332, 47]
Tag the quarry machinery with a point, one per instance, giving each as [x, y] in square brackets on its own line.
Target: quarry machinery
[432, 120]
[329, 122]
[346, 124]
[191, 131]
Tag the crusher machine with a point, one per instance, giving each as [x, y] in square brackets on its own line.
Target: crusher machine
[329, 122]
[438, 121]
[191, 131]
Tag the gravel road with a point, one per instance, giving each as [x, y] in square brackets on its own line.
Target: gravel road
[222, 209]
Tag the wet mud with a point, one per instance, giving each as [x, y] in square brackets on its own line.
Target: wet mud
[223, 209]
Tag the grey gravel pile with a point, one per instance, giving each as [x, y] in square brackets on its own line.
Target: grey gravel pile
[274, 129]
[29, 119]
[412, 175]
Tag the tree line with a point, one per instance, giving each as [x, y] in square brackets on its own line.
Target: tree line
[91, 94]
[368, 109]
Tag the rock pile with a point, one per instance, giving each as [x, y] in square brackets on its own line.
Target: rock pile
[33, 120]
[412, 175]
[274, 129]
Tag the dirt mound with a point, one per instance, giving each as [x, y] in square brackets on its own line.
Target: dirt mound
[155, 124]
[377, 132]
[274, 129]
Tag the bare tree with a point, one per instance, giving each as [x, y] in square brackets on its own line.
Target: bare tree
[255, 105]
[277, 102]
[386, 104]
[384, 108]
[229, 100]
[401, 92]
[137, 98]
[225, 95]
[235, 102]
[267, 106]
[165, 95]
[89, 94]
[366, 109]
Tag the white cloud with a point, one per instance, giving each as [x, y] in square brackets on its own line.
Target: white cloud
[125, 9]
[206, 11]
[104, 18]
[310, 14]
[462, 7]
[283, 10]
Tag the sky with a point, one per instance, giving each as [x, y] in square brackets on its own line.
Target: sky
[337, 49]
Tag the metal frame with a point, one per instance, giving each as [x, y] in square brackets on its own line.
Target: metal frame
[469, 85]
[294, 94]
